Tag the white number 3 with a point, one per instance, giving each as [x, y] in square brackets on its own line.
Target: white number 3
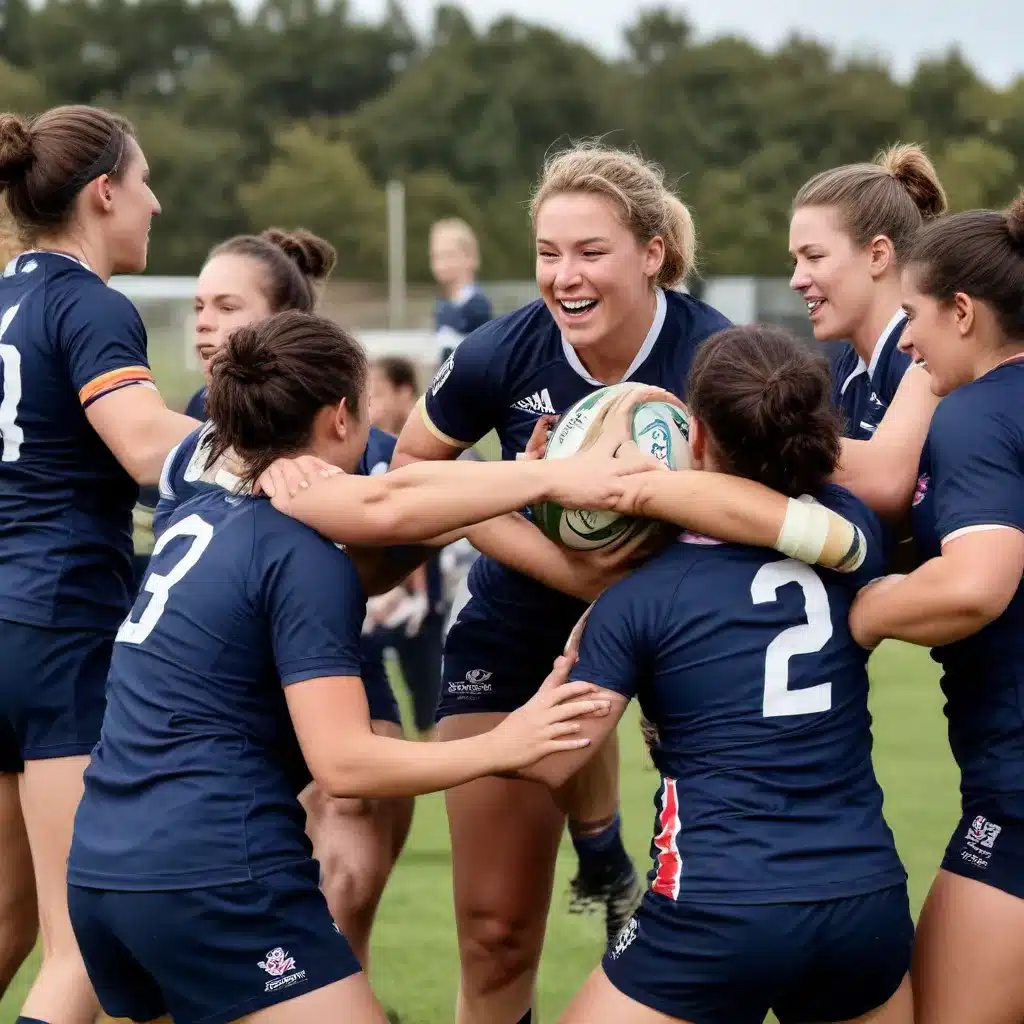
[159, 587]
[11, 434]
[806, 638]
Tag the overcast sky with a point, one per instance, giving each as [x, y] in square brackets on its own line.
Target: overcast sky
[990, 32]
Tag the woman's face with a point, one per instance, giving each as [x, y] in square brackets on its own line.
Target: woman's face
[229, 295]
[132, 207]
[593, 274]
[832, 275]
[939, 336]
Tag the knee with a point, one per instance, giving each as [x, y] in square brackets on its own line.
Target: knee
[498, 948]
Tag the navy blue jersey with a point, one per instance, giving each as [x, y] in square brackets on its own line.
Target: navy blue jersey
[455, 318]
[379, 451]
[506, 375]
[862, 392]
[196, 407]
[972, 476]
[195, 779]
[742, 660]
[66, 340]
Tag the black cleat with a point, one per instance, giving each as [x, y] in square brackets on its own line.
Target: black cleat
[619, 898]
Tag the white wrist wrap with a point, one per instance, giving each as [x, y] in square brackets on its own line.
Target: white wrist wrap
[818, 536]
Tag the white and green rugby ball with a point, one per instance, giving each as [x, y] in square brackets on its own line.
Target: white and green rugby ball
[659, 429]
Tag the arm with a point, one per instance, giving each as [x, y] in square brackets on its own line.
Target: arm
[420, 501]
[882, 472]
[949, 598]
[419, 443]
[346, 758]
[139, 429]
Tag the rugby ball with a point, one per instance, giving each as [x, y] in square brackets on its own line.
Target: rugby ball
[659, 429]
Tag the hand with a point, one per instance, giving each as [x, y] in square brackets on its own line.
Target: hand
[284, 478]
[592, 479]
[548, 722]
[537, 446]
[614, 423]
[862, 616]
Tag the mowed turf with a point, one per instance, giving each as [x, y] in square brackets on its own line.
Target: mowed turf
[414, 968]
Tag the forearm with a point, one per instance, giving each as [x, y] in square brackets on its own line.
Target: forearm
[380, 766]
[417, 503]
[515, 542]
[148, 447]
[932, 606]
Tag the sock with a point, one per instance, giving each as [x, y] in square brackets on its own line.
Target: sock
[601, 854]
[527, 1018]
[29, 1020]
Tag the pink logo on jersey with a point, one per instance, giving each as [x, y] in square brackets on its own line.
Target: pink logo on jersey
[278, 962]
[689, 537]
[922, 488]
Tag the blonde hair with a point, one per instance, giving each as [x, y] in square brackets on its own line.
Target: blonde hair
[892, 196]
[637, 188]
[460, 233]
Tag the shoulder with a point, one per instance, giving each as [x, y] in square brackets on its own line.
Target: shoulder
[505, 332]
[85, 295]
[694, 318]
[987, 407]
[285, 542]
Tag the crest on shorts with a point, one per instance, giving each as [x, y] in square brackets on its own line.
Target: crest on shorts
[278, 962]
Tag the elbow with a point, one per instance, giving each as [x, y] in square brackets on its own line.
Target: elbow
[144, 464]
[343, 778]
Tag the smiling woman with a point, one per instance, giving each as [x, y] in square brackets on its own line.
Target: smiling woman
[612, 241]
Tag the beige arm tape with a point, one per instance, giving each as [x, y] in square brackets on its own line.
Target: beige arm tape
[818, 536]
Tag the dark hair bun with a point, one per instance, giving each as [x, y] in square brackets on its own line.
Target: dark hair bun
[314, 256]
[247, 359]
[1015, 223]
[15, 149]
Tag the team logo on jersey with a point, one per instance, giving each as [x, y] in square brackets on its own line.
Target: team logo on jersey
[625, 939]
[921, 489]
[443, 373]
[278, 964]
[539, 402]
[875, 400]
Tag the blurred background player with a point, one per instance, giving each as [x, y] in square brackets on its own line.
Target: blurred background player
[962, 290]
[245, 278]
[849, 234]
[455, 261]
[81, 426]
[410, 619]
[235, 677]
[611, 242]
[776, 883]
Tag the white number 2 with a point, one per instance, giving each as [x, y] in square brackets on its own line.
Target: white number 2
[11, 435]
[159, 587]
[806, 638]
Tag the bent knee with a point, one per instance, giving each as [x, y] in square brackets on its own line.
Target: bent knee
[499, 948]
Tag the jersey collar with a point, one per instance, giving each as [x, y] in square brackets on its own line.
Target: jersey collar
[876, 352]
[661, 309]
[11, 268]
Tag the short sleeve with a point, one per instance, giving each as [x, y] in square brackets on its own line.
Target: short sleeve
[855, 512]
[617, 640]
[104, 343]
[977, 476]
[459, 406]
[315, 604]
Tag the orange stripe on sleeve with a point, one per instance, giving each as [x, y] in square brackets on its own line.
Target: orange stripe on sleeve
[112, 380]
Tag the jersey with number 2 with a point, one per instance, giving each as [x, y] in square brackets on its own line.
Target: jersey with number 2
[743, 661]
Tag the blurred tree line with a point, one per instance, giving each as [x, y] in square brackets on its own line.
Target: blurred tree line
[299, 113]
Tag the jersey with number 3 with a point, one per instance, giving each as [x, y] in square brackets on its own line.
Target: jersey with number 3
[195, 777]
[66, 340]
[742, 660]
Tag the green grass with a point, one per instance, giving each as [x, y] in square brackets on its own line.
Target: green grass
[414, 966]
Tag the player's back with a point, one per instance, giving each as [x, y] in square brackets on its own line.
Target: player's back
[238, 602]
[746, 667]
[66, 339]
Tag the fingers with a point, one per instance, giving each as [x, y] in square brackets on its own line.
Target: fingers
[558, 746]
[563, 712]
[537, 446]
[556, 680]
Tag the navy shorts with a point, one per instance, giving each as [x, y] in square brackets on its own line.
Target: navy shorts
[53, 685]
[988, 846]
[731, 964]
[209, 956]
[481, 672]
[380, 698]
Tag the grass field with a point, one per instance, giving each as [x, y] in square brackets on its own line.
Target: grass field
[414, 966]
